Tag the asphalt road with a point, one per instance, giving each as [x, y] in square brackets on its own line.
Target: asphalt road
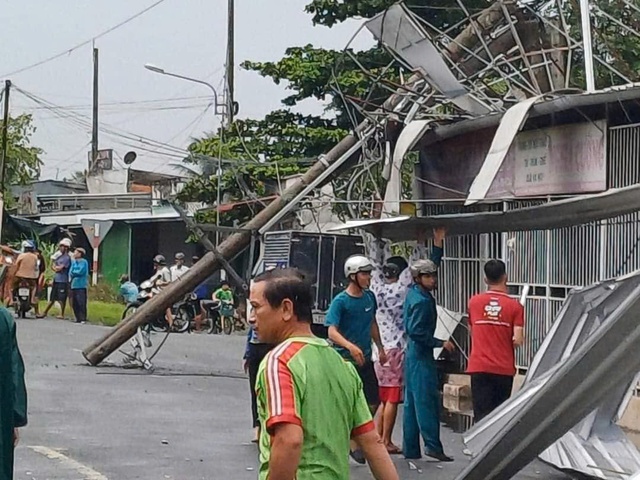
[189, 419]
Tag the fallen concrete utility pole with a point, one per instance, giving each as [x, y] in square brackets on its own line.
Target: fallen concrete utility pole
[154, 308]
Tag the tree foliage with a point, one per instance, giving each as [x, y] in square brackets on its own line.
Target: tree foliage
[23, 159]
[337, 77]
[257, 156]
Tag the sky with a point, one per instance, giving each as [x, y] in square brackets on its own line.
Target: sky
[187, 37]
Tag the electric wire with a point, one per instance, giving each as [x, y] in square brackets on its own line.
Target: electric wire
[85, 43]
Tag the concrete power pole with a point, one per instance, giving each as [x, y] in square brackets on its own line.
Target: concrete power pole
[94, 130]
[209, 264]
[230, 61]
[5, 137]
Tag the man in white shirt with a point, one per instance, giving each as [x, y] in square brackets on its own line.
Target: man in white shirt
[179, 269]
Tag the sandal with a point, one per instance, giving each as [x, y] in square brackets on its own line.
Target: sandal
[393, 449]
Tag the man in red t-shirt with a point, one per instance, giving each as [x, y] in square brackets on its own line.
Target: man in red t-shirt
[497, 328]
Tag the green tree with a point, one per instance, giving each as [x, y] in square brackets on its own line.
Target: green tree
[23, 159]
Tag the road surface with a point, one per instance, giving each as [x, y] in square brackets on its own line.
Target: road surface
[190, 419]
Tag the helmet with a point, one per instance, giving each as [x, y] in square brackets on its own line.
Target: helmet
[423, 267]
[356, 264]
[179, 256]
[160, 260]
[28, 245]
[394, 266]
[65, 242]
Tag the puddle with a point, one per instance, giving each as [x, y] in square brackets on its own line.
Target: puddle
[457, 413]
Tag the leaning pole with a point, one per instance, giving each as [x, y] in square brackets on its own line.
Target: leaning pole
[209, 264]
[326, 164]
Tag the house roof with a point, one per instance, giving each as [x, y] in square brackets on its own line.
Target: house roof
[156, 171]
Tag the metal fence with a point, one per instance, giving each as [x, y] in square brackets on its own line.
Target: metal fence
[55, 204]
[552, 262]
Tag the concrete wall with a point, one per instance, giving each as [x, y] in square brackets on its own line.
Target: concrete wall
[172, 238]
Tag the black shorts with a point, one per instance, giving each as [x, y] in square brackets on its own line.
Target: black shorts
[369, 384]
[59, 292]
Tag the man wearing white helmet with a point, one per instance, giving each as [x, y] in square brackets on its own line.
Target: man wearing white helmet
[422, 397]
[60, 290]
[352, 327]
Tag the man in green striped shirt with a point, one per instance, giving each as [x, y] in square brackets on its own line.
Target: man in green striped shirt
[310, 400]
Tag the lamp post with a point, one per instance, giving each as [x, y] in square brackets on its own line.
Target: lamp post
[219, 109]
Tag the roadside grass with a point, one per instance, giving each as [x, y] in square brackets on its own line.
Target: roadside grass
[98, 313]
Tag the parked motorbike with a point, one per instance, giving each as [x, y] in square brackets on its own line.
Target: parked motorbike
[22, 298]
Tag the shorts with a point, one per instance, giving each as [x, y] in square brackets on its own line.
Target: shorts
[369, 384]
[391, 374]
[391, 394]
[59, 292]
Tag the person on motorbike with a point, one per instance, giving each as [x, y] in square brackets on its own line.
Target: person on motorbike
[225, 296]
[27, 270]
[128, 289]
[161, 278]
[179, 268]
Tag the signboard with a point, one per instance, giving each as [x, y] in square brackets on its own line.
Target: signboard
[568, 159]
[275, 264]
[104, 160]
[96, 230]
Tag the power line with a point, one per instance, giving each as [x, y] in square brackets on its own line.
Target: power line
[133, 103]
[85, 43]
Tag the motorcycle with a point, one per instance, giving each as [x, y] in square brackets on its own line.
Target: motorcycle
[180, 314]
[211, 318]
[22, 298]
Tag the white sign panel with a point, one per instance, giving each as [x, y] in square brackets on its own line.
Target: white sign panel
[566, 159]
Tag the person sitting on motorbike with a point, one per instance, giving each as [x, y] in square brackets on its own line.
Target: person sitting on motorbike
[128, 289]
[27, 268]
[161, 278]
[224, 295]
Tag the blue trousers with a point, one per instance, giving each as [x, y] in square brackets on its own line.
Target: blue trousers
[421, 403]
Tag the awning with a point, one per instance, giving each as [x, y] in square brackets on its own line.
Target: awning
[557, 214]
[19, 228]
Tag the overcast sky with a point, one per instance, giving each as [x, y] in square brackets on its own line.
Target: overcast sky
[182, 36]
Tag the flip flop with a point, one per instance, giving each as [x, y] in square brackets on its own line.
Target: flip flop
[393, 450]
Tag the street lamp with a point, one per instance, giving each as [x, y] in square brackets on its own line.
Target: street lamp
[218, 111]
[222, 112]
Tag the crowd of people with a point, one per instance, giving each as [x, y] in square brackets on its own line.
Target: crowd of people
[380, 354]
[163, 275]
[70, 279]
[317, 401]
